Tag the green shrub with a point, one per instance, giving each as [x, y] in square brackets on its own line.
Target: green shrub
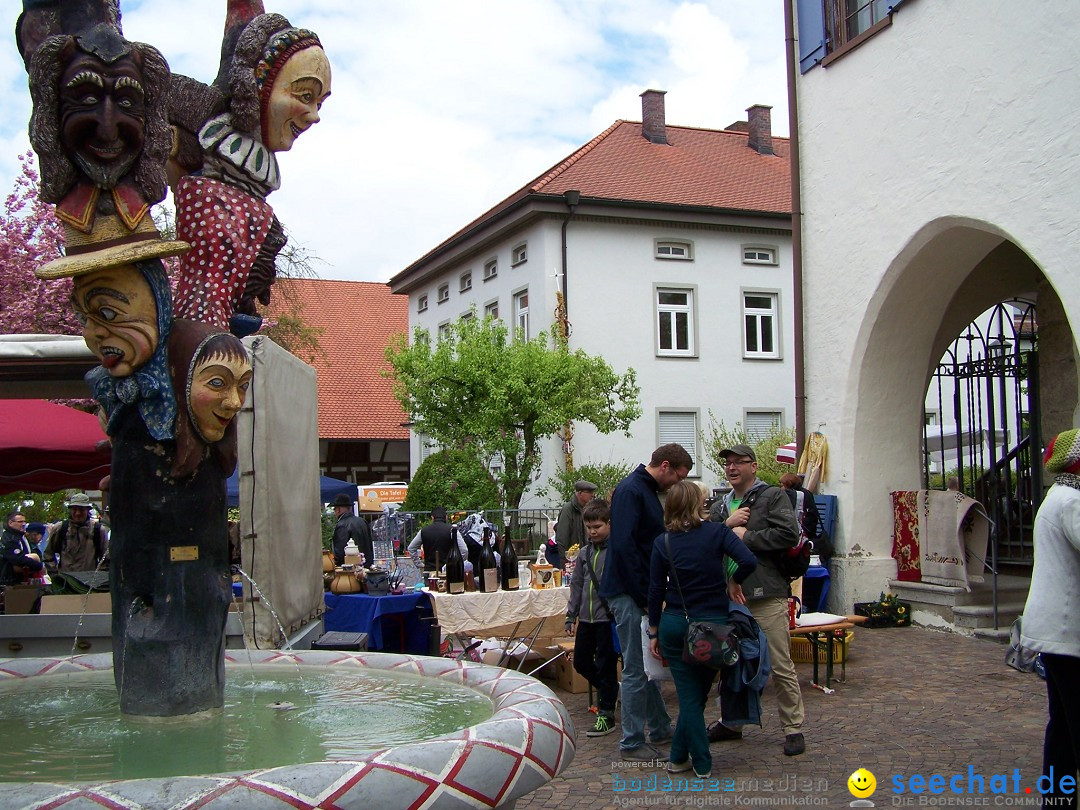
[456, 479]
[719, 437]
[560, 487]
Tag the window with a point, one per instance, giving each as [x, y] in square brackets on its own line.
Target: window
[680, 427]
[421, 304]
[466, 282]
[427, 445]
[491, 268]
[760, 325]
[521, 315]
[468, 316]
[444, 329]
[829, 28]
[762, 424]
[444, 293]
[673, 250]
[491, 309]
[519, 255]
[674, 322]
[753, 254]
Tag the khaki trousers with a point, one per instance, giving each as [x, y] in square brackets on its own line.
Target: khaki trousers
[772, 616]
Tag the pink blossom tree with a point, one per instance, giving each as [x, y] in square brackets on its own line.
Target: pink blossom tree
[30, 236]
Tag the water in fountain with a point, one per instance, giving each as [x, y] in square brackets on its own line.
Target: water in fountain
[69, 728]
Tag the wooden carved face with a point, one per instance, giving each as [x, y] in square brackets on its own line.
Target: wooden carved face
[119, 315]
[102, 116]
[298, 92]
[218, 387]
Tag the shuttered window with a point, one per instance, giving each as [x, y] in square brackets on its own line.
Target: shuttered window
[679, 427]
[760, 424]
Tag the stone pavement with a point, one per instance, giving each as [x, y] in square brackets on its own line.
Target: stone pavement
[916, 701]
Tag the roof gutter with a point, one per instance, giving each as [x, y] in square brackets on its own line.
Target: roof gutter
[796, 228]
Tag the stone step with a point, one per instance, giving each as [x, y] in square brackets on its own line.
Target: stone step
[1000, 635]
[982, 616]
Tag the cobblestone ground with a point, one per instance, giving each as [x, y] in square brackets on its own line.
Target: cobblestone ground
[915, 702]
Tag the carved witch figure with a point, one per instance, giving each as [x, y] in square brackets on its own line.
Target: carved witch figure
[277, 80]
[170, 569]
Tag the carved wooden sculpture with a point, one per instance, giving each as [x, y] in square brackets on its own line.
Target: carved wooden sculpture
[168, 386]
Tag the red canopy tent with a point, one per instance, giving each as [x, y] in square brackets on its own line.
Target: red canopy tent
[46, 447]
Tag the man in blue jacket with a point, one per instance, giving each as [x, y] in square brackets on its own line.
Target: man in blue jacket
[637, 519]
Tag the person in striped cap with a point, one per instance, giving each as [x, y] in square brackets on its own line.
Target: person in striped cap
[1049, 625]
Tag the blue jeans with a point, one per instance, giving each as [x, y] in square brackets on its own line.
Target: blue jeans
[693, 684]
[642, 704]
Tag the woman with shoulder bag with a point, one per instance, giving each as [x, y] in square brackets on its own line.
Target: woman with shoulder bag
[688, 581]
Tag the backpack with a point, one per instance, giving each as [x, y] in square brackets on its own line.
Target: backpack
[791, 563]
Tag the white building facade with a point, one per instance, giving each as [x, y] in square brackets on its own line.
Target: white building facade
[938, 178]
[695, 296]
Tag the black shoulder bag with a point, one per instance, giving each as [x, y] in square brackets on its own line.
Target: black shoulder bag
[706, 644]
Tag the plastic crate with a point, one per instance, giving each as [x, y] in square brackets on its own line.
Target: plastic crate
[802, 649]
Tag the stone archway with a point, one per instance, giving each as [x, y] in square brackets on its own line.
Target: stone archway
[949, 272]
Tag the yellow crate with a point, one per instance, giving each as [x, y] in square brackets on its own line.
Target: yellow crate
[802, 649]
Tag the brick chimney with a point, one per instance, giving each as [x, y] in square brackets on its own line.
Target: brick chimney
[760, 119]
[652, 116]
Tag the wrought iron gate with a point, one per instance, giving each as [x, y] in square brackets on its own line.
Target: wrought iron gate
[987, 383]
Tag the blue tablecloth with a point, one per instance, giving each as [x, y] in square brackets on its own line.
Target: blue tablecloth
[388, 620]
[815, 589]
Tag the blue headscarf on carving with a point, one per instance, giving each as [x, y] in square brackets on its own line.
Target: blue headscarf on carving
[149, 388]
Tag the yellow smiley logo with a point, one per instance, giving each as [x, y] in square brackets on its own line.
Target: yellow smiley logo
[862, 784]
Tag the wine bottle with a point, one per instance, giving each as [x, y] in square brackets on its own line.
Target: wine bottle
[509, 565]
[455, 565]
[488, 580]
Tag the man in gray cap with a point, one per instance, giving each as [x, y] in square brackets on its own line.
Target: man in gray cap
[762, 516]
[571, 528]
[78, 543]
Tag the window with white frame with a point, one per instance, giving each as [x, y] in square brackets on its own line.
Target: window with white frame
[674, 322]
[762, 424]
[491, 309]
[421, 304]
[491, 268]
[761, 336]
[444, 293]
[427, 445]
[521, 315]
[756, 254]
[466, 282]
[680, 427]
[674, 249]
[468, 316]
[519, 254]
[444, 329]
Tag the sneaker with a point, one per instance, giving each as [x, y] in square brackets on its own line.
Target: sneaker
[644, 753]
[718, 732]
[705, 775]
[679, 767]
[794, 744]
[602, 726]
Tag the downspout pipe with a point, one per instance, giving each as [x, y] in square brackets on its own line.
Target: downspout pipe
[572, 197]
[796, 228]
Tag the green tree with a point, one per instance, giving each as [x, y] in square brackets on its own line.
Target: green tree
[719, 437]
[455, 479]
[475, 388]
[560, 487]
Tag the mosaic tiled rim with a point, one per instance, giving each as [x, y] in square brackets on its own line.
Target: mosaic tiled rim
[528, 740]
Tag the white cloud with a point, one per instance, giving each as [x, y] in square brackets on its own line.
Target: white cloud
[441, 109]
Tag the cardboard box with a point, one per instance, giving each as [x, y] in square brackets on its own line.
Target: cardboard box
[569, 679]
[543, 576]
[21, 598]
[73, 603]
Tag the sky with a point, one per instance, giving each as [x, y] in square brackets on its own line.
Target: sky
[441, 108]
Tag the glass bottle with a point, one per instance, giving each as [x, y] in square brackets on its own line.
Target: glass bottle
[510, 570]
[488, 580]
[455, 565]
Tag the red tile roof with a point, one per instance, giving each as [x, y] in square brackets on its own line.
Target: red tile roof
[698, 168]
[358, 319]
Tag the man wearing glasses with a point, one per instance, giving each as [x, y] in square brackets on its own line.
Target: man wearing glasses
[762, 516]
[18, 559]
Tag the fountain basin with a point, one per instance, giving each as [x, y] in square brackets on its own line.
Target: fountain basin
[527, 741]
